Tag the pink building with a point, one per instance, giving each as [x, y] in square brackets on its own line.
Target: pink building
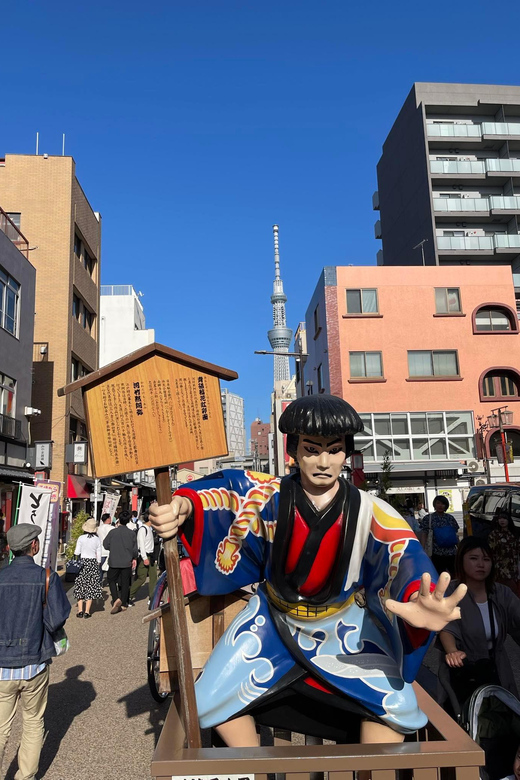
[420, 352]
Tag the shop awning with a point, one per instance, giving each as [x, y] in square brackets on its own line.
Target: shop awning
[12, 473]
[77, 487]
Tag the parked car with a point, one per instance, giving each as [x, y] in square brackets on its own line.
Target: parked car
[485, 501]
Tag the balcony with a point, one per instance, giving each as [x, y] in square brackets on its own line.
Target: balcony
[493, 203]
[448, 130]
[466, 243]
[502, 166]
[461, 204]
[377, 229]
[506, 129]
[8, 227]
[10, 427]
[474, 167]
[501, 242]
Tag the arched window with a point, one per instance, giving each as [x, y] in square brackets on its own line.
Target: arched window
[495, 317]
[500, 383]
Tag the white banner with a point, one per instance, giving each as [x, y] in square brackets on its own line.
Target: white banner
[110, 504]
[34, 508]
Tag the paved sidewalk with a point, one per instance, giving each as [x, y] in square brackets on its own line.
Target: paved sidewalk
[101, 720]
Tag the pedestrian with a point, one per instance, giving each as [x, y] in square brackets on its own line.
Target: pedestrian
[506, 551]
[516, 767]
[29, 618]
[88, 586]
[421, 511]
[409, 516]
[146, 562]
[4, 555]
[475, 644]
[122, 546]
[103, 530]
[439, 535]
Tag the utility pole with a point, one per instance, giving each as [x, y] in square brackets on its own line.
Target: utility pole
[498, 412]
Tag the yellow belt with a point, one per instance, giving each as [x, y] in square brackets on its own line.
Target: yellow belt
[305, 611]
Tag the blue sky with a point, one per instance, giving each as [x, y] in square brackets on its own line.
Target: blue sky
[197, 124]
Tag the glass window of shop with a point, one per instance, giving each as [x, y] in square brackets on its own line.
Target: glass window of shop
[414, 436]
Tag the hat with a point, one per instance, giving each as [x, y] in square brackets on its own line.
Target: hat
[20, 536]
[89, 526]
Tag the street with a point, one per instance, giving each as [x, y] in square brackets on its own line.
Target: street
[100, 719]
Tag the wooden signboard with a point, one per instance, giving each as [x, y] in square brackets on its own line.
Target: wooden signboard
[154, 408]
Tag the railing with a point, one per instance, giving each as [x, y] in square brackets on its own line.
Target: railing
[449, 130]
[8, 227]
[478, 167]
[476, 243]
[500, 128]
[441, 750]
[117, 289]
[10, 427]
[479, 243]
[498, 202]
[461, 204]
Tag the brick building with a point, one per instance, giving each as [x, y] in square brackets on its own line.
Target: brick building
[45, 200]
[260, 438]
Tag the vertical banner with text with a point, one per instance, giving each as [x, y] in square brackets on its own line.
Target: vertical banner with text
[110, 504]
[50, 544]
[34, 508]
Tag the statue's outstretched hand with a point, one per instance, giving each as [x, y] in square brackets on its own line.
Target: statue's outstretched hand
[167, 519]
[430, 610]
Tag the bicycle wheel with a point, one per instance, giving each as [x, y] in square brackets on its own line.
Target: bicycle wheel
[154, 642]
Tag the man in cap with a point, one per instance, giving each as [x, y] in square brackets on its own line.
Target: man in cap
[29, 618]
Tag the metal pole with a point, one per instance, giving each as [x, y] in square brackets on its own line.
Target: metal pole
[37, 142]
[96, 496]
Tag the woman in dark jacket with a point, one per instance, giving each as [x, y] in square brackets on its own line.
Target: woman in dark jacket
[474, 645]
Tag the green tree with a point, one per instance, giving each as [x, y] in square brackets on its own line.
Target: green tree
[75, 533]
[386, 478]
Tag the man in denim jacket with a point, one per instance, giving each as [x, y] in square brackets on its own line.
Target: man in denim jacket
[27, 622]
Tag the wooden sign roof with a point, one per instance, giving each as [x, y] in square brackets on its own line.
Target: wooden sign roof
[152, 408]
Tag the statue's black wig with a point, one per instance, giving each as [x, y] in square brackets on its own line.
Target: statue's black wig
[320, 415]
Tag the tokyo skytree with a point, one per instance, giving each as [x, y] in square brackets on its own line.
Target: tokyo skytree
[279, 335]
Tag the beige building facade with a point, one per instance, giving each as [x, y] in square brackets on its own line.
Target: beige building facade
[44, 198]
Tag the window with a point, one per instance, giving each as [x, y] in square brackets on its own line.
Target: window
[78, 369]
[77, 430]
[88, 261]
[362, 302]
[7, 395]
[417, 436]
[366, 364]
[317, 320]
[87, 318]
[77, 246]
[488, 318]
[500, 384]
[447, 300]
[76, 305]
[319, 372]
[436, 363]
[9, 303]
[15, 217]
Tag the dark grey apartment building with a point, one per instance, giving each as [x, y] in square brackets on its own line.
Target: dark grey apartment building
[17, 286]
[449, 178]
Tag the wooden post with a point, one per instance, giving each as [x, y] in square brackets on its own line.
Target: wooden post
[180, 626]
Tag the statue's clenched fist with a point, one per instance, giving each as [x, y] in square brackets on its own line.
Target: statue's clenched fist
[167, 519]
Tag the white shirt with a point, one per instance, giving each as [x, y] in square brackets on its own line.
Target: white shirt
[145, 541]
[103, 532]
[89, 547]
[484, 611]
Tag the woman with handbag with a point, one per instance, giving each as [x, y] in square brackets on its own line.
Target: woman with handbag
[475, 644]
[439, 535]
[88, 585]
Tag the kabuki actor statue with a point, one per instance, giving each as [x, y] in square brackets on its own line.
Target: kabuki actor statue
[346, 603]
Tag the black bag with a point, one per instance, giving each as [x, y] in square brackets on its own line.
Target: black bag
[73, 568]
[466, 679]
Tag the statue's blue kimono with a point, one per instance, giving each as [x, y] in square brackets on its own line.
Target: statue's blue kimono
[319, 612]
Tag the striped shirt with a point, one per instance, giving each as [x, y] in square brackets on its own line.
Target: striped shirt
[21, 672]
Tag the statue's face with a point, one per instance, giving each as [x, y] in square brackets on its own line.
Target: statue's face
[320, 459]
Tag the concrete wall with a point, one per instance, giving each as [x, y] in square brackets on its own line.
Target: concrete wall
[16, 352]
[120, 315]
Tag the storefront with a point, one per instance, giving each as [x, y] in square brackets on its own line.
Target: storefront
[10, 480]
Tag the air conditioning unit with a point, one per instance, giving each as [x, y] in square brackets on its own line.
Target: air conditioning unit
[480, 482]
[474, 466]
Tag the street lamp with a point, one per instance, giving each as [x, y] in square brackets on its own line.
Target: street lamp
[497, 419]
[300, 356]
